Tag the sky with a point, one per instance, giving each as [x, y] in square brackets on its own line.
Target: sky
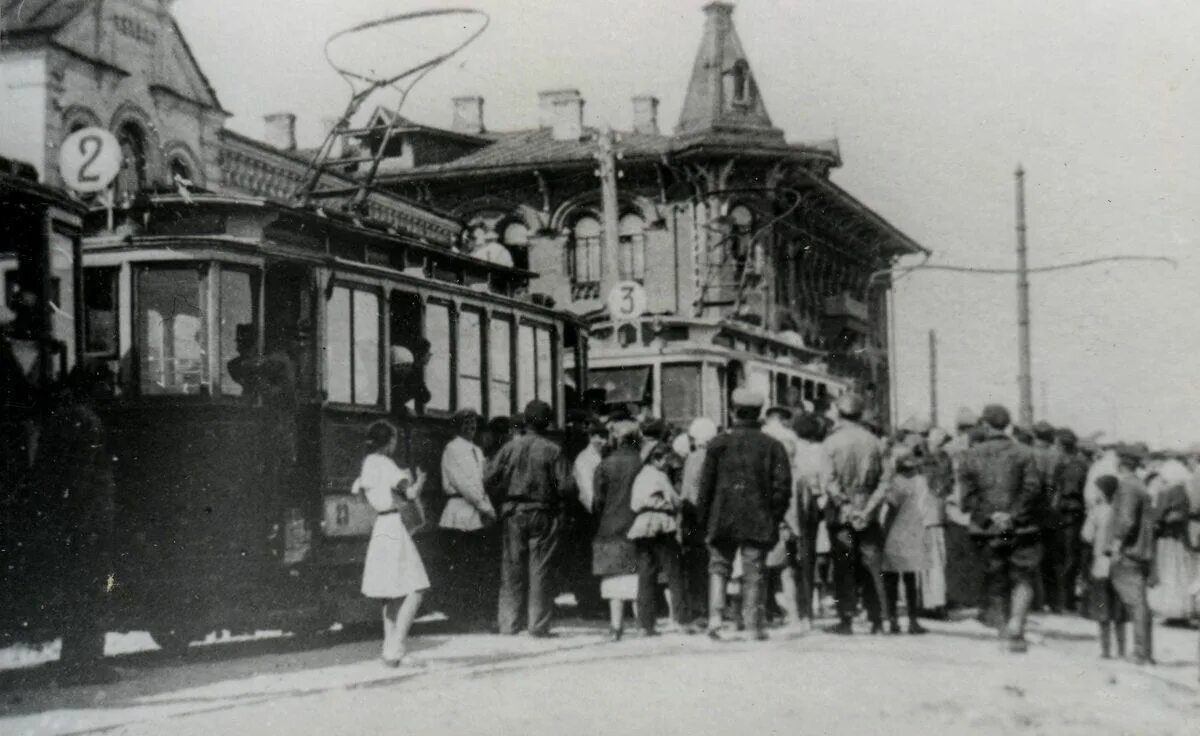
[934, 105]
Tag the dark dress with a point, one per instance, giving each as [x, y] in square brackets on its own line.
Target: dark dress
[613, 553]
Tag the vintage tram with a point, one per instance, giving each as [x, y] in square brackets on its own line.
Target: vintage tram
[680, 368]
[248, 346]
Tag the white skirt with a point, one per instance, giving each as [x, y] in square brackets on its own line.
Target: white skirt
[1177, 568]
[393, 568]
[619, 587]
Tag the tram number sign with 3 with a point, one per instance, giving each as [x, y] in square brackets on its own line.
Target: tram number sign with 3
[89, 160]
[626, 301]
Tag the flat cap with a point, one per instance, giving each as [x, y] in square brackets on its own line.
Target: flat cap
[538, 412]
[747, 398]
[1067, 438]
[1043, 430]
[916, 425]
[850, 405]
[966, 417]
[996, 416]
[399, 356]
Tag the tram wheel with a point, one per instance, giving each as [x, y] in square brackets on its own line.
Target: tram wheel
[173, 640]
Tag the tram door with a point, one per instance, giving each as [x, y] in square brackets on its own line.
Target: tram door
[294, 420]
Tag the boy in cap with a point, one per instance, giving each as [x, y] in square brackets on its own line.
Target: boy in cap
[1132, 549]
[744, 490]
[1003, 496]
[533, 478]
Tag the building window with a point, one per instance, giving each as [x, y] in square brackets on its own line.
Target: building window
[500, 366]
[173, 330]
[584, 254]
[179, 169]
[438, 376]
[631, 249]
[101, 328]
[470, 360]
[352, 355]
[133, 175]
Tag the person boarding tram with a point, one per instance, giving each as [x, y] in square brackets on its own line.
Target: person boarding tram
[533, 478]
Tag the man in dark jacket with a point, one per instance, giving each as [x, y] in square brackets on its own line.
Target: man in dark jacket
[1067, 504]
[1047, 458]
[852, 478]
[1003, 496]
[1132, 551]
[745, 487]
[532, 477]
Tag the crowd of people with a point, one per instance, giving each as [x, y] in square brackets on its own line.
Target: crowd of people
[785, 509]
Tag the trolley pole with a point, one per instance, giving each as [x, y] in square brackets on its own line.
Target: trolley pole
[1025, 374]
[933, 393]
[608, 201]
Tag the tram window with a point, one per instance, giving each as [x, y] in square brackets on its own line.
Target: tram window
[236, 312]
[781, 389]
[500, 366]
[681, 392]
[438, 331]
[100, 326]
[470, 360]
[366, 347]
[352, 353]
[545, 365]
[172, 330]
[337, 352]
[526, 366]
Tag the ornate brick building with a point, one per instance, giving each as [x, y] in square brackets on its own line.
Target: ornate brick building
[124, 65]
[759, 269]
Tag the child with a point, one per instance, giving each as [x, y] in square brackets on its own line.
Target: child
[654, 534]
[393, 571]
[1104, 606]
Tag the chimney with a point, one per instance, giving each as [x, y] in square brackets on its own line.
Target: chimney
[468, 115]
[281, 130]
[546, 100]
[645, 114]
[568, 119]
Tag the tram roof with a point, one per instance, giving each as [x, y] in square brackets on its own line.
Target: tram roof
[22, 190]
[316, 220]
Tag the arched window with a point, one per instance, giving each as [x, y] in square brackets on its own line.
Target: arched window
[584, 256]
[180, 168]
[631, 248]
[133, 175]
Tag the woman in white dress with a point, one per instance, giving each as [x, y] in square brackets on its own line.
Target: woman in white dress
[393, 571]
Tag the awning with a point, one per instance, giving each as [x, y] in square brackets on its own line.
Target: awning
[621, 385]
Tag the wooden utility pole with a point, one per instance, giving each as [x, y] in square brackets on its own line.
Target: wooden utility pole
[607, 157]
[1025, 370]
[933, 394]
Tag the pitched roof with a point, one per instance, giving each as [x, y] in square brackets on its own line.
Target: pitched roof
[38, 16]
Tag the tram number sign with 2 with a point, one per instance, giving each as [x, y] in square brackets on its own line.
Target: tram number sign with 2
[89, 160]
[626, 301]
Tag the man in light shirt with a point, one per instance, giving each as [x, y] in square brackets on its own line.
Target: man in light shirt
[465, 521]
[588, 460]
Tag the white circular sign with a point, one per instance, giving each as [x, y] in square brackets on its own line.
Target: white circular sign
[626, 301]
[89, 160]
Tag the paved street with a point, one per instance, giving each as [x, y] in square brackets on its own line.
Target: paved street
[954, 681]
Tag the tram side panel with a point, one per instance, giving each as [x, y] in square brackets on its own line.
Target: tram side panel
[197, 517]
